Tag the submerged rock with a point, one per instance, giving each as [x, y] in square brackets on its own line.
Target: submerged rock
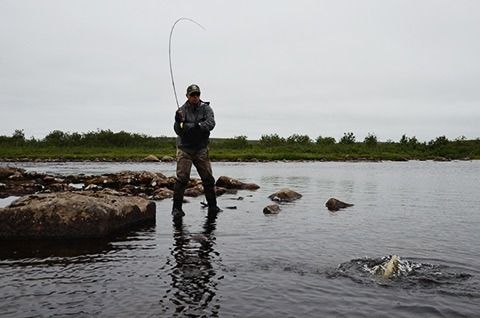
[334, 205]
[230, 183]
[285, 195]
[73, 215]
[271, 209]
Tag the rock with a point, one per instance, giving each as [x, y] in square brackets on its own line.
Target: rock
[220, 191]
[73, 215]
[334, 205]
[194, 191]
[161, 194]
[167, 159]
[151, 158]
[230, 183]
[285, 195]
[6, 172]
[271, 209]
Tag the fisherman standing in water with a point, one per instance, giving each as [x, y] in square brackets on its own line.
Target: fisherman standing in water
[193, 122]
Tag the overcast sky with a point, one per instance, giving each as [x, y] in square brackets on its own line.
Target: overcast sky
[306, 67]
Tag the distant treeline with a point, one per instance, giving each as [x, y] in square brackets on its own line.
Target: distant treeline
[123, 145]
[99, 138]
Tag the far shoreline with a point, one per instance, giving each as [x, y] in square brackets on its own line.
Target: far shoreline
[239, 160]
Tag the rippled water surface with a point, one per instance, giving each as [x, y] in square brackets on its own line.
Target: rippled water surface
[303, 262]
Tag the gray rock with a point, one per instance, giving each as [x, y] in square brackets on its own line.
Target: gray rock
[285, 195]
[73, 215]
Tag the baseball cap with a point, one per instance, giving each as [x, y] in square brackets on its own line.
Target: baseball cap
[192, 89]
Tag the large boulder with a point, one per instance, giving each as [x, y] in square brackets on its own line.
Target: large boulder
[334, 205]
[73, 215]
[230, 183]
[285, 195]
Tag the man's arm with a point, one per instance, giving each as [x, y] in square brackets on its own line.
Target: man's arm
[179, 118]
[209, 122]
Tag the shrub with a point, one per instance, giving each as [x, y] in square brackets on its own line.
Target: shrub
[272, 140]
[299, 139]
[325, 140]
[438, 142]
[348, 138]
[237, 142]
[370, 140]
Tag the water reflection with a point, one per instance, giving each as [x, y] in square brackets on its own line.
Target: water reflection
[26, 249]
[194, 282]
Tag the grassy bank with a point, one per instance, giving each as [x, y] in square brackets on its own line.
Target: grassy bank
[122, 146]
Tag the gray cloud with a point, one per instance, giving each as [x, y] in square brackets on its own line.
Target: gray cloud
[311, 67]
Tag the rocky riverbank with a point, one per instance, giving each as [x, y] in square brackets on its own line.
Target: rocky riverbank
[88, 206]
[150, 185]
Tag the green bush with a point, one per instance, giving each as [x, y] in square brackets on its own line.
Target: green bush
[237, 142]
[348, 138]
[370, 140]
[272, 140]
[325, 141]
[299, 139]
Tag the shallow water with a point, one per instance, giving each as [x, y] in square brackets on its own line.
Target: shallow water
[305, 261]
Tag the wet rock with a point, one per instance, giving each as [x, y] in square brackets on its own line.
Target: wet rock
[73, 215]
[124, 178]
[6, 172]
[151, 158]
[163, 193]
[271, 209]
[17, 176]
[58, 187]
[334, 205]
[285, 195]
[167, 159]
[230, 183]
[194, 191]
[220, 191]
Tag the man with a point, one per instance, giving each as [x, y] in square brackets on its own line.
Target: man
[193, 122]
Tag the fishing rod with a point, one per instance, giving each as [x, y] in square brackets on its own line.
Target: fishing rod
[170, 52]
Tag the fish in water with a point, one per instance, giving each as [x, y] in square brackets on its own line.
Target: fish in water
[392, 267]
[389, 268]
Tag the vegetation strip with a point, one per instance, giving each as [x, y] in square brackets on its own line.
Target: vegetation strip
[124, 146]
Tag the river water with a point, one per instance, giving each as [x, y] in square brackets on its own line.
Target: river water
[303, 262]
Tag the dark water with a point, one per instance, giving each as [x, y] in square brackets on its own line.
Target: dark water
[303, 262]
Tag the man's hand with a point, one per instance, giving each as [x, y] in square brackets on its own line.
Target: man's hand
[179, 116]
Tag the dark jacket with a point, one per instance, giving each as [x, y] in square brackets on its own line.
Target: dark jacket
[198, 122]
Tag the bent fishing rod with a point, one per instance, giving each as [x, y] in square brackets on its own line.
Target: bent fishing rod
[170, 52]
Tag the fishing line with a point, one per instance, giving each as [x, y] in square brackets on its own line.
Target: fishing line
[170, 53]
